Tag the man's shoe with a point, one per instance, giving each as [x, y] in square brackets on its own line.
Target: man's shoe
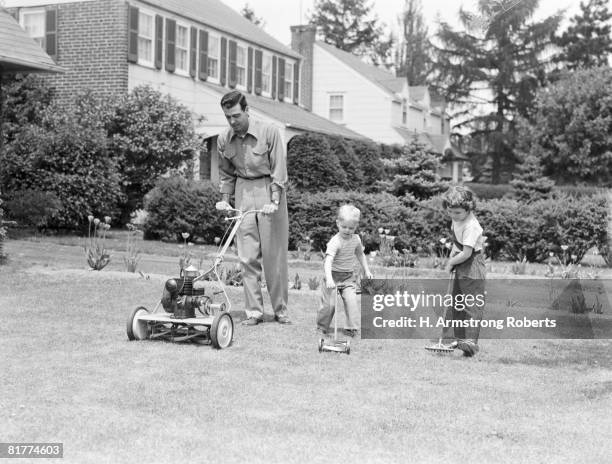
[282, 319]
[252, 321]
[350, 332]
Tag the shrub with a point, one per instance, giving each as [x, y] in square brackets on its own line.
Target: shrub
[489, 191]
[529, 182]
[32, 208]
[2, 234]
[311, 164]
[314, 216]
[150, 133]
[369, 155]
[349, 161]
[177, 205]
[66, 156]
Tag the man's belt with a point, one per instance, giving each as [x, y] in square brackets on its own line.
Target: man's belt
[253, 178]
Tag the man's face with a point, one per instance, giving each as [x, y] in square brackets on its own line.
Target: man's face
[237, 118]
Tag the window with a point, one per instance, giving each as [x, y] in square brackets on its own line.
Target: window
[288, 81]
[336, 108]
[266, 74]
[33, 22]
[146, 35]
[213, 56]
[182, 48]
[404, 112]
[241, 64]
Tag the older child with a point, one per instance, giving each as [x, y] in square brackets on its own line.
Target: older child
[338, 265]
[468, 262]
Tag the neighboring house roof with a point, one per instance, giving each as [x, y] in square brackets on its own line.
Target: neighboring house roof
[384, 79]
[292, 116]
[218, 15]
[18, 52]
[439, 143]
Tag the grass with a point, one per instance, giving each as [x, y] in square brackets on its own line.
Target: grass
[71, 376]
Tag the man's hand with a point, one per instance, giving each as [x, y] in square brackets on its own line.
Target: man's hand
[270, 208]
[369, 275]
[223, 206]
[329, 283]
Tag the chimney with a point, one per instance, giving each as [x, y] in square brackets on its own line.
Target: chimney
[302, 41]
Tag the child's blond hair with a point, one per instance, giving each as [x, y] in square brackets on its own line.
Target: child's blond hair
[349, 213]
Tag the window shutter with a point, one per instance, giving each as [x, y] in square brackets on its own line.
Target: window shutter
[296, 82]
[132, 34]
[233, 49]
[170, 45]
[193, 51]
[273, 77]
[250, 70]
[281, 79]
[258, 65]
[159, 41]
[203, 68]
[51, 33]
[223, 73]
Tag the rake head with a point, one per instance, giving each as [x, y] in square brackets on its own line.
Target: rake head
[440, 348]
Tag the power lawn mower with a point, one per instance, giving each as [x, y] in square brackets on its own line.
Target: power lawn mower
[187, 311]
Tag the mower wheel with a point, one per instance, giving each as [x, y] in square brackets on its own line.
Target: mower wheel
[321, 341]
[222, 331]
[348, 347]
[137, 329]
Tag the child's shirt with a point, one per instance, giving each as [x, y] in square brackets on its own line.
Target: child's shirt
[343, 252]
[468, 232]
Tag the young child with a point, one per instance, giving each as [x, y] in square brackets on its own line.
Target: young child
[468, 262]
[338, 265]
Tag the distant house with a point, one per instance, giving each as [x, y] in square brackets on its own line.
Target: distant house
[194, 50]
[371, 101]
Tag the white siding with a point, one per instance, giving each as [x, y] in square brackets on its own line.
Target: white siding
[367, 107]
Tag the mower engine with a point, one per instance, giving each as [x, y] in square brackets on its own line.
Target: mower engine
[182, 296]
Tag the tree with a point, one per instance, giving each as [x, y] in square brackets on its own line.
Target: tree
[415, 172]
[571, 126]
[249, 14]
[149, 134]
[347, 25]
[413, 59]
[491, 73]
[587, 41]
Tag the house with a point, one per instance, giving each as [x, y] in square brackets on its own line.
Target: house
[371, 101]
[194, 50]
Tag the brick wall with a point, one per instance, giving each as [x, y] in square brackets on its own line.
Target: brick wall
[92, 47]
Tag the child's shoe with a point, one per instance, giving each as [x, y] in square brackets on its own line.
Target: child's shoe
[350, 332]
[469, 347]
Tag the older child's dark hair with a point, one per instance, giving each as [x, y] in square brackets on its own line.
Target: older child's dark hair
[458, 196]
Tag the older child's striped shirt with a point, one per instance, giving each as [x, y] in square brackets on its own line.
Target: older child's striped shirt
[343, 252]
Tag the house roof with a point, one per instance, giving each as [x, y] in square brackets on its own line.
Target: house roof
[292, 116]
[417, 92]
[439, 143]
[18, 52]
[384, 79]
[218, 15]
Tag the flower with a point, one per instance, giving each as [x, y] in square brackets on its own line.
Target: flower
[185, 235]
[107, 219]
[551, 254]
[380, 230]
[442, 241]
[189, 243]
[574, 257]
[373, 254]
[448, 245]
[564, 247]
[90, 218]
[217, 240]
[96, 221]
[387, 231]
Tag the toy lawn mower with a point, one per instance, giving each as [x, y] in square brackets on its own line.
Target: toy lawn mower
[187, 311]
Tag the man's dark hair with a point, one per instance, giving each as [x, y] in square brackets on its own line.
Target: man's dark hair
[232, 98]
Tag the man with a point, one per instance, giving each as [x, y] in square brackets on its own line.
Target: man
[253, 167]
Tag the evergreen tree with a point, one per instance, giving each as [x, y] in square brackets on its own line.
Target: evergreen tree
[249, 14]
[413, 57]
[587, 41]
[491, 72]
[349, 26]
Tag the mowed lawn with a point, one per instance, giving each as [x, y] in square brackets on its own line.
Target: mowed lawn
[70, 375]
